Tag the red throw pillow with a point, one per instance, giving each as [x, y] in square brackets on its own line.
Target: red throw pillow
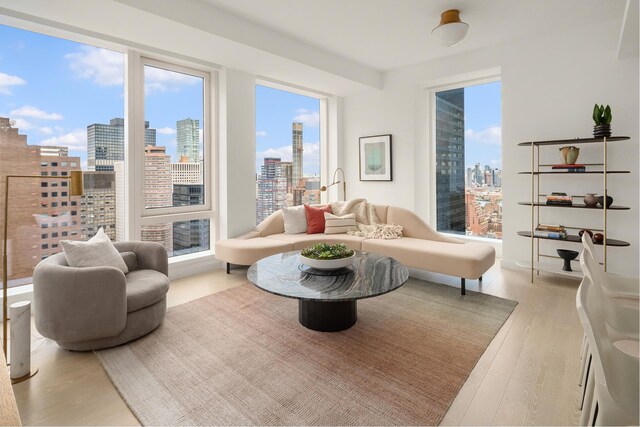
[315, 218]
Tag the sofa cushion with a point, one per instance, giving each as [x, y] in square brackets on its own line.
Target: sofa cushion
[301, 241]
[248, 251]
[467, 260]
[131, 259]
[145, 288]
[315, 218]
[295, 220]
[334, 224]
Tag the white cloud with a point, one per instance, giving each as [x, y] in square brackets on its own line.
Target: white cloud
[491, 135]
[261, 133]
[311, 119]
[45, 130]
[76, 140]
[35, 113]
[310, 156]
[104, 67]
[302, 111]
[166, 131]
[159, 80]
[22, 124]
[7, 80]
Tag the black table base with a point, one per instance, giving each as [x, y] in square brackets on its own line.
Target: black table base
[327, 316]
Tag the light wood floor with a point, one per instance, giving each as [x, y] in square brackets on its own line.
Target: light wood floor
[527, 376]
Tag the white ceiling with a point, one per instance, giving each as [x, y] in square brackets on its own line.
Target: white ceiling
[387, 34]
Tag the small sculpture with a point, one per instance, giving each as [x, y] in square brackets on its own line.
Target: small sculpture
[569, 154]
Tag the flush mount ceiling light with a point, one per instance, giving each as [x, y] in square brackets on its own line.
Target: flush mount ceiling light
[451, 29]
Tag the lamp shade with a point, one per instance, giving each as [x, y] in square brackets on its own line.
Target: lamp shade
[451, 30]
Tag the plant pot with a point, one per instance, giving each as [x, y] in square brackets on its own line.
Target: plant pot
[327, 264]
[601, 201]
[569, 154]
[602, 131]
[590, 200]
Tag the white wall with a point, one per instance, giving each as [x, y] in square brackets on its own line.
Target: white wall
[549, 86]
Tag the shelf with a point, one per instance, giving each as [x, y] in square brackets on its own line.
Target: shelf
[575, 239]
[578, 206]
[549, 268]
[570, 173]
[573, 141]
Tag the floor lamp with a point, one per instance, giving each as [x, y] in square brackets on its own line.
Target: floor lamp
[76, 189]
[334, 182]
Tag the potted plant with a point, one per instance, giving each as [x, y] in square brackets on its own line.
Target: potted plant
[325, 256]
[602, 120]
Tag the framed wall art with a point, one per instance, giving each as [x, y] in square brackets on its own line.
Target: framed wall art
[375, 158]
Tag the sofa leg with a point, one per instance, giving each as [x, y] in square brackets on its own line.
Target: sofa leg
[463, 291]
[480, 279]
[228, 268]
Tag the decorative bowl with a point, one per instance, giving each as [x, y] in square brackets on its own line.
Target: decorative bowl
[327, 264]
[567, 256]
[601, 201]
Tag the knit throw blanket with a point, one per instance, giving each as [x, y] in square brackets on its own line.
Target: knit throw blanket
[369, 226]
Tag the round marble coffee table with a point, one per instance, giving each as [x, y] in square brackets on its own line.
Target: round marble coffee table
[327, 301]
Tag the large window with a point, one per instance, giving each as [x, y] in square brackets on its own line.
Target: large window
[62, 108]
[175, 170]
[288, 150]
[469, 160]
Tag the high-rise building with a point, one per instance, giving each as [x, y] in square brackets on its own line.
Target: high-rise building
[188, 138]
[272, 189]
[40, 210]
[450, 173]
[105, 143]
[186, 172]
[296, 141]
[287, 173]
[98, 204]
[158, 191]
[189, 236]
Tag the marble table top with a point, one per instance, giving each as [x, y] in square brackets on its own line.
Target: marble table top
[370, 274]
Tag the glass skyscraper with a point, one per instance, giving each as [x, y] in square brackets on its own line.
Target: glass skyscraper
[188, 138]
[105, 144]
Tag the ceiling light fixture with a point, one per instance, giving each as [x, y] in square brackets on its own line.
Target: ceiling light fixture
[451, 29]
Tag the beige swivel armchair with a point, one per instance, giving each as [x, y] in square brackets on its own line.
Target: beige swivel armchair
[98, 307]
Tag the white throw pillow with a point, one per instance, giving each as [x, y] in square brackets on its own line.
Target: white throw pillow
[295, 220]
[96, 252]
[339, 224]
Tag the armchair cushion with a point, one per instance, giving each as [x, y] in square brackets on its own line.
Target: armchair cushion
[131, 259]
[145, 288]
[96, 252]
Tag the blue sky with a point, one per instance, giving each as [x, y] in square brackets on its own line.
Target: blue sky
[54, 88]
[276, 110]
[483, 125]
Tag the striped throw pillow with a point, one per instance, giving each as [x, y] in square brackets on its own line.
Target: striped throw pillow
[339, 224]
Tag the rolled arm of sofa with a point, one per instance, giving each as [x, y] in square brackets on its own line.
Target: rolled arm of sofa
[150, 255]
[77, 304]
[273, 224]
[414, 226]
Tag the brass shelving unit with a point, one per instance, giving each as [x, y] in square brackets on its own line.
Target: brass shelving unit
[536, 172]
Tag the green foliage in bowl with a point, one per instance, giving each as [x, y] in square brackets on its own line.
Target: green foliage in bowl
[325, 251]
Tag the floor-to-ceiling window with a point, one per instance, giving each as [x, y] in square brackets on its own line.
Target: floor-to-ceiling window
[62, 108]
[288, 150]
[468, 154]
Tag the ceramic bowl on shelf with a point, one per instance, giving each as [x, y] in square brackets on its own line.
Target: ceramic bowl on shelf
[567, 256]
[601, 201]
[327, 264]
[590, 200]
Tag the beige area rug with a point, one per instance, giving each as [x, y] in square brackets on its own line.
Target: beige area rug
[240, 357]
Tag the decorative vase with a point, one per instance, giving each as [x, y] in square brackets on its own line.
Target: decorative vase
[598, 238]
[590, 200]
[569, 154]
[586, 230]
[601, 201]
[567, 256]
[602, 131]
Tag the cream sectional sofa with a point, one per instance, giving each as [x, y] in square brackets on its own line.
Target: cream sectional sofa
[421, 247]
